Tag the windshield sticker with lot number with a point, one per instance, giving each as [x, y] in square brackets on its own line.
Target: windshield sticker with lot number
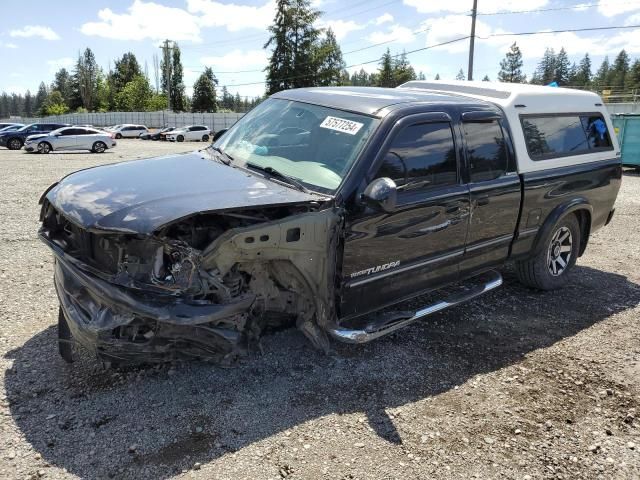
[341, 125]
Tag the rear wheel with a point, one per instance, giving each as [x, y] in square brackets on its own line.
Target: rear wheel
[118, 136]
[65, 340]
[44, 147]
[180, 138]
[550, 267]
[14, 144]
[99, 147]
[205, 138]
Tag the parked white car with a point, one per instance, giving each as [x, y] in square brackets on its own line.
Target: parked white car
[70, 138]
[191, 132]
[129, 131]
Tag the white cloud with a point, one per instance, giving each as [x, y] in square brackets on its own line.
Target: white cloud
[145, 20]
[464, 6]
[237, 60]
[384, 18]
[341, 28]
[45, 33]
[396, 32]
[609, 9]
[8, 45]
[233, 17]
[58, 63]
[633, 19]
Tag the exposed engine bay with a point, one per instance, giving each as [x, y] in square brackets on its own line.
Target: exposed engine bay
[207, 286]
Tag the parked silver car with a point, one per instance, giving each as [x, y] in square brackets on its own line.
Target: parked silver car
[70, 138]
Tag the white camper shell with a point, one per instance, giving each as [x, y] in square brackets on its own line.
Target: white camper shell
[521, 101]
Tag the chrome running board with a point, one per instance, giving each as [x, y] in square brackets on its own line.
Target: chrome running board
[384, 326]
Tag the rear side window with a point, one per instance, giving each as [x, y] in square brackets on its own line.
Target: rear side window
[421, 155]
[549, 136]
[486, 150]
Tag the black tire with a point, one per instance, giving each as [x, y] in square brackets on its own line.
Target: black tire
[205, 138]
[44, 147]
[14, 143]
[551, 267]
[99, 147]
[118, 136]
[65, 340]
[180, 138]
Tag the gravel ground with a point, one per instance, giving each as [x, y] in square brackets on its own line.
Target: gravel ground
[518, 384]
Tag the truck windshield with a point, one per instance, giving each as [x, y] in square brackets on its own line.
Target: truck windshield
[312, 144]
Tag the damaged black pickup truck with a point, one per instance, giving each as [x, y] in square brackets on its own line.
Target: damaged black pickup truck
[323, 208]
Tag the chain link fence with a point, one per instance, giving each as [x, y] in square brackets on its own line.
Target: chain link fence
[215, 121]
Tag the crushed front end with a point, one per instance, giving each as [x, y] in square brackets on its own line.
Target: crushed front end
[207, 286]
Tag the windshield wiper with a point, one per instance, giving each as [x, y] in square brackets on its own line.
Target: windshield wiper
[225, 157]
[275, 173]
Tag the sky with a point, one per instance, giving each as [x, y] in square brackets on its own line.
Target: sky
[229, 35]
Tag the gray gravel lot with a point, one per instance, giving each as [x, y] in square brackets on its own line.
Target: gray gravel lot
[518, 384]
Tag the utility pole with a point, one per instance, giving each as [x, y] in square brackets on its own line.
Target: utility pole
[166, 52]
[474, 12]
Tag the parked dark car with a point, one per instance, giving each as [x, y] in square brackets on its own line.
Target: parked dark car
[324, 208]
[11, 128]
[15, 140]
[157, 134]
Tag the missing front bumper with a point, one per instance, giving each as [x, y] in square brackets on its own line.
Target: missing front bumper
[124, 328]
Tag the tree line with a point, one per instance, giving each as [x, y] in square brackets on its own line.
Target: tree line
[125, 88]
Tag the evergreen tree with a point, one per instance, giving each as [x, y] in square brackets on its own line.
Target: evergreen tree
[402, 70]
[600, 80]
[16, 104]
[125, 70]
[583, 74]
[178, 101]
[62, 83]
[204, 92]
[437, 77]
[293, 40]
[28, 104]
[546, 71]
[385, 71]
[632, 82]
[329, 59]
[563, 68]
[511, 66]
[486, 78]
[237, 102]
[421, 76]
[5, 105]
[618, 72]
[41, 96]
[85, 79]
[460, 75]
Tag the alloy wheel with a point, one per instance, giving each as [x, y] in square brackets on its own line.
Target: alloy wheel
[43, 147]
[559, 252]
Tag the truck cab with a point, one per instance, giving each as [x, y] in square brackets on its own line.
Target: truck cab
[327, 208]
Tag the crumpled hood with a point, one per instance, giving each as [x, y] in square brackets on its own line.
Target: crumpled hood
[143, 195]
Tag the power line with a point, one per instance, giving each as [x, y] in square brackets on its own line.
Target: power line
[555, 9]
[569, 30]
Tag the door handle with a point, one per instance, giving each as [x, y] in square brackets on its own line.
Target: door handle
[483, 200]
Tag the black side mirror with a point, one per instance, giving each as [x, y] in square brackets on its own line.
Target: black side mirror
[219, 133]
[381, 193]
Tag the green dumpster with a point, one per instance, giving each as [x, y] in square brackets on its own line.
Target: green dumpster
[627, 127]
